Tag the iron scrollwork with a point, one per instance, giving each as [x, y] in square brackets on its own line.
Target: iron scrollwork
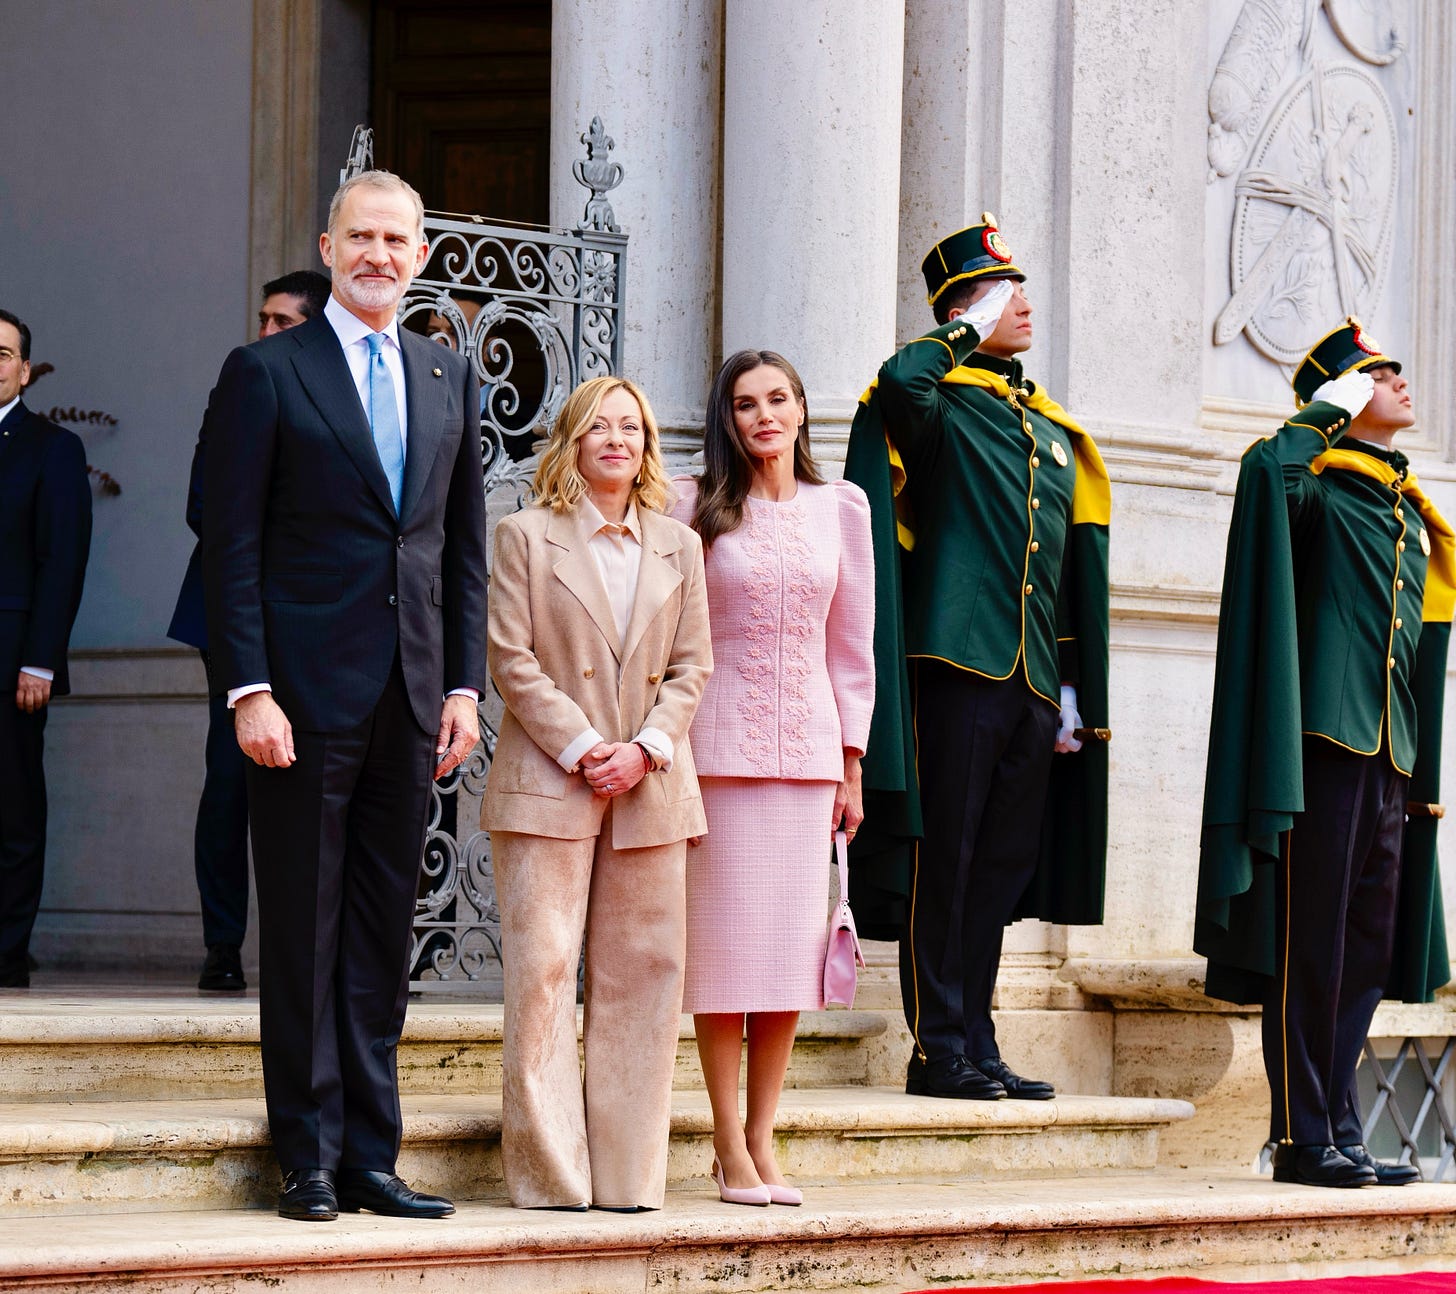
[536, 311]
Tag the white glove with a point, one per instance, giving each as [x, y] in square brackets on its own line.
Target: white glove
[1068, 722]
[1350, 391]
[981, 316]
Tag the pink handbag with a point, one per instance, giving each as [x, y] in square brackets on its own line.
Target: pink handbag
[843, 957]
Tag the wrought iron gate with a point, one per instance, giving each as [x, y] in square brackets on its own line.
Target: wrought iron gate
[537, 310]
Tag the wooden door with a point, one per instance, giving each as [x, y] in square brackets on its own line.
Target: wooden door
[461, 103]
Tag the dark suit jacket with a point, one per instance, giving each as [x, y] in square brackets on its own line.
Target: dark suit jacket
[189, 616]
[312, 582]
[45, 538]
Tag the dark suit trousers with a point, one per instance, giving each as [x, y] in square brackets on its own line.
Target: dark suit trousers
[22, 826]
[337, 841]
[1336, 889]
[984, 752]
[220, 841]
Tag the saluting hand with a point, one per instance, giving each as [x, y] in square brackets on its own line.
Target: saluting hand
[982, 315]
[1350, 391]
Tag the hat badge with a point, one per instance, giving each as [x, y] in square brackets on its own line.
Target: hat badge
[991, 239]
[1361, 338]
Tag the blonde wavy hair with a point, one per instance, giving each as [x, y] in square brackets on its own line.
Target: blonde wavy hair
[559, 484]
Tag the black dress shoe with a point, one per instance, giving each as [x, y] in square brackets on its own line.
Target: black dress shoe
[308, 1195]
[14, 975]
[1017, 1088]
[1385, 1174]
[223, 969]
[387, 1195]
[1318, 1166]
[950, 1076]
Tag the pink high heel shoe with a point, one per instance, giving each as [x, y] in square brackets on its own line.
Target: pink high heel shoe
[740, 1194]
[784, 1194]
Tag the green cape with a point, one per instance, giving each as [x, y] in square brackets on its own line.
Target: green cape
[1255, 782]
[1067, 887]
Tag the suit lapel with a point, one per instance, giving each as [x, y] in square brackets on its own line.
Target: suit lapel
[657, 578]
[577, 569]
[324, 374]
[425, 400]
[13, 424]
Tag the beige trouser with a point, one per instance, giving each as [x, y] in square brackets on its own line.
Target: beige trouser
[607, 1145]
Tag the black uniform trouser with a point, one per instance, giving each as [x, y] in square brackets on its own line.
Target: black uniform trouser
[220, 839]
[22, 826]
[337, 842]
[983, 752]
[1336, 890]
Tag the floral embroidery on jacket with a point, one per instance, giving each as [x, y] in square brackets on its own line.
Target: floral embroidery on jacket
[781, 591]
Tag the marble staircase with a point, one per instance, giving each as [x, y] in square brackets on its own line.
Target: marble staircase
[134, 1155]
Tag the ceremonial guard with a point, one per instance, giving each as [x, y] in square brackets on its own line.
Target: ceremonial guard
[990, 509]
[1318, 890]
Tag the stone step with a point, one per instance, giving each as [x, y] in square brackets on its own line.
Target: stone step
[95, 1156]
[868, 1237]
[150, 1047]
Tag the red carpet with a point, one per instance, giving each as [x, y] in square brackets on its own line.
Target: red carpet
[1414, 1283]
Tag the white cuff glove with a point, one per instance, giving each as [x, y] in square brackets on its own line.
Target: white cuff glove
[1068, 721]
[982, 315]
[1350, 391]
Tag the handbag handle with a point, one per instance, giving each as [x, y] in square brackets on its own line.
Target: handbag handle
[841, 856]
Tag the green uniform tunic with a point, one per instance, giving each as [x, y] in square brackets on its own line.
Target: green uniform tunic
[1336, 615]
[990, 509]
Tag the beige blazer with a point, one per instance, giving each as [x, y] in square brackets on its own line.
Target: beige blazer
[554, 655]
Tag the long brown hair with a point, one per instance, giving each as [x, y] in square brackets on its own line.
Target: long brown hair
[727, 465]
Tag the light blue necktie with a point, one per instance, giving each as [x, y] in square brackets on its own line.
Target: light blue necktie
[384, 418]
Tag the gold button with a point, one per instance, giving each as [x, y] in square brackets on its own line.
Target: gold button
[1399, 515]
[1035, 461]
[654, 678]
[1399, 623]
[1391, 662]
[1400, 546]
[588, 672]
[1028, 590]
[1036, 503]
[1400, 584]
[1034, 545]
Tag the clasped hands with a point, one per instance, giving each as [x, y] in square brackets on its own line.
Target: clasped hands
[611, 767]
[266, 736]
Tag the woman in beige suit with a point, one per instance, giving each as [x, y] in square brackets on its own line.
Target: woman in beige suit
[599, 645]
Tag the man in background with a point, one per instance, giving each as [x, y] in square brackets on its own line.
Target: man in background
[220, 840]
[45, 538]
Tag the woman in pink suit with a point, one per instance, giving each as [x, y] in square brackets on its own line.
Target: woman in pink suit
[778, 739]
[598, 644]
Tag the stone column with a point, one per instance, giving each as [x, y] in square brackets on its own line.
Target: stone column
[811, 165]
[652, 74]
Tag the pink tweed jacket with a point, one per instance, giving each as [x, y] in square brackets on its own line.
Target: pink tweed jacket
[791, 607]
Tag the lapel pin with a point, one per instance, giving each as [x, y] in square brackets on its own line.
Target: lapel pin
[438, 372]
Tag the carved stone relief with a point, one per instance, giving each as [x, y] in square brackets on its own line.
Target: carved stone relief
[1314, 207]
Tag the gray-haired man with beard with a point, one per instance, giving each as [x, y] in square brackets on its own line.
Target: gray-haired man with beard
[345, 566]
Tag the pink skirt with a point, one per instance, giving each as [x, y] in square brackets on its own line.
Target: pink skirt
[758, 897]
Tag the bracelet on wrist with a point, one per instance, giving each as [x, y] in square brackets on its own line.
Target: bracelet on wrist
[649, 763]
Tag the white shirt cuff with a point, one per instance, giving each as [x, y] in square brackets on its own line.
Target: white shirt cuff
[236, 694]
[471, 692]
[660, 744]
[40, 672]
[571, 756]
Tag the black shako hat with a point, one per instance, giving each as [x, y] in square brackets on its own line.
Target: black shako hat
[978, 252]
[1344, 348]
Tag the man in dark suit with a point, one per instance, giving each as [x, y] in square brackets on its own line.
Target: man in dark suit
[45, 538]
[220, 840]
[344, 560]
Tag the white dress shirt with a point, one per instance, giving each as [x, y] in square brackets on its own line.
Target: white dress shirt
[617, 550]
[38, 670]
[353, 334]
